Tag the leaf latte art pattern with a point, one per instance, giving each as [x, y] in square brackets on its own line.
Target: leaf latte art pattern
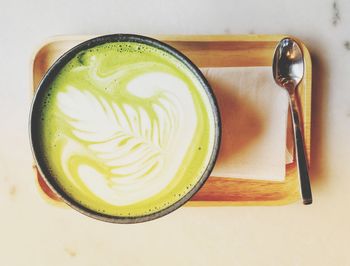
[136, 140]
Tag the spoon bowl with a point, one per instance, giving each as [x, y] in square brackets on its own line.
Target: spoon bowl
[288, 64]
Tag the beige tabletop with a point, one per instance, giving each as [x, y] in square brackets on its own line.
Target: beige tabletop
[33, 232]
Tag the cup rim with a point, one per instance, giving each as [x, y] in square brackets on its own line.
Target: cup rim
[51, 74]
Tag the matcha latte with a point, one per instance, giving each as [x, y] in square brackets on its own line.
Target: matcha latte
[124, 127]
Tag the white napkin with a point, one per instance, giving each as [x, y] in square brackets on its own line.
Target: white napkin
[254, 113]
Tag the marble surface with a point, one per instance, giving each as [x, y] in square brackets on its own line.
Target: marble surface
[33, 232]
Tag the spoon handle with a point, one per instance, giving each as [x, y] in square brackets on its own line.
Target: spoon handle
[300, 153]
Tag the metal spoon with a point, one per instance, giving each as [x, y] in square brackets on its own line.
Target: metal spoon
[288, 71]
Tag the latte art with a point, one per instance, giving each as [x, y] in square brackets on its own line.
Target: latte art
[127, 129]
[136, 145]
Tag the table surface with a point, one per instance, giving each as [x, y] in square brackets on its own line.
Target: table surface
[33, 232]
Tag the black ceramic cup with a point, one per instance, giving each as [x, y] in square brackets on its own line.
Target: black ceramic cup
[51, 75]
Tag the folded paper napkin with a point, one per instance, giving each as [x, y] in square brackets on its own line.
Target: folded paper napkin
[254, 113]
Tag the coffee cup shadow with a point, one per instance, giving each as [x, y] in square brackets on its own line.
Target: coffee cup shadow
[242, 124]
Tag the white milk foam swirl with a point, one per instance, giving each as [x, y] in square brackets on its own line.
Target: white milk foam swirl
[141, 150]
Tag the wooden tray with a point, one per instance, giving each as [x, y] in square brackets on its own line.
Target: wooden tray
[213, 51]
